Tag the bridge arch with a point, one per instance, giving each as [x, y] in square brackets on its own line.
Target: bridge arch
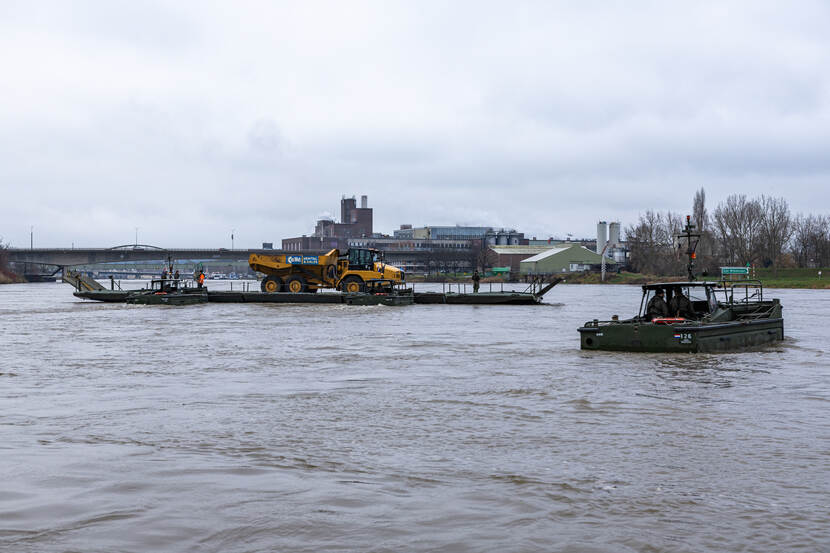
[132, 247]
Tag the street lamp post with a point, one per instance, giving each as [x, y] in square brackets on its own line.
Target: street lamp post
[232, 231]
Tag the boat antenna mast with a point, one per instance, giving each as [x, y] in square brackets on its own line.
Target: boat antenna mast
[692, 239]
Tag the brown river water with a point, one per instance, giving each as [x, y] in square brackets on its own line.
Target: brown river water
[256, 427]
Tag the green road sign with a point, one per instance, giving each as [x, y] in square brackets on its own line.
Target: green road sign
[734, 270]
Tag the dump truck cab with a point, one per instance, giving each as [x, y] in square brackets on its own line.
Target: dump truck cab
[361, 265]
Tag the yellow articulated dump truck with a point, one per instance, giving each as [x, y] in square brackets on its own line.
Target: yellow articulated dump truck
[297, 273]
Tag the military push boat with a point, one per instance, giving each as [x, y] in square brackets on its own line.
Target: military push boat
[168, 292]
[724, 316]
[695, 316]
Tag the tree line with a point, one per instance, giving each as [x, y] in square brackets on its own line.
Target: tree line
[5, 272]
[760, 231]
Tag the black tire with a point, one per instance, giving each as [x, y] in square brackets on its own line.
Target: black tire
[296, 284]
[352, 284]
[271, 284]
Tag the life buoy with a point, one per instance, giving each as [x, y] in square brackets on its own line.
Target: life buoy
[668, 320]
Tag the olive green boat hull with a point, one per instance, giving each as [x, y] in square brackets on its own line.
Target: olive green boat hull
[167, 299]
[108, 296]
[681, 338]
[376, 299]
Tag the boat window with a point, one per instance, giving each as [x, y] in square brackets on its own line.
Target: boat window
[644, 302]
[713, 301]
[696, 294]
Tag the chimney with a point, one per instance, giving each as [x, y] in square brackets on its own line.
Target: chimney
[364, 202]
[602, 236]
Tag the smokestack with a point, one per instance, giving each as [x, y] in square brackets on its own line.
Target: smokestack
[364, 202]
[602, 236]
[614, 234]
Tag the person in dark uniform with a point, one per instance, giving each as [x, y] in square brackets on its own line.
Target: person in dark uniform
[476, 278]
[657, 306]
[681, 306]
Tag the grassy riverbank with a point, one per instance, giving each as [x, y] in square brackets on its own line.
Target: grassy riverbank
[771, 278]
[794, 278]
[617, 278]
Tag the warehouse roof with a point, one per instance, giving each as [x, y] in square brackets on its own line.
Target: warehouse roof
[545, 254]
[525, 250]
[553, 251]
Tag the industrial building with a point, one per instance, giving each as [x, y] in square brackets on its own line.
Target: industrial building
[565, 258]
[511, 256]
[609, 242]
[458, 248]
[488, 235]
[355, 222]
[423, 255]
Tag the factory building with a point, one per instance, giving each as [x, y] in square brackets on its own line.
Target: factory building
[608, 240]
[490, 235]
[427, 249]
[424, 255]
[565, 258]
[355, 222]
[511, 256]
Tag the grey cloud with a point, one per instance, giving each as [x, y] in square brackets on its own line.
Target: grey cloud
[187, 120]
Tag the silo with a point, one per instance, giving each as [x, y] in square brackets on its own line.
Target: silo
[602, 235]
[614, 234]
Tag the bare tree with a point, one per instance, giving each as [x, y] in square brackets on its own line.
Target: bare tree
[810, 244]
[741, 231]
[700, 218]
[700, 215]
[737, 229]
[477, 255]
[776, 229]
[652, 243]
[5, 270]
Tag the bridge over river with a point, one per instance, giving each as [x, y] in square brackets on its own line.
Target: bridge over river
[44, 263]
[51, 261]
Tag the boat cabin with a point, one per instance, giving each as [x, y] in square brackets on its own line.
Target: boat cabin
[705, 299]
[168, 285]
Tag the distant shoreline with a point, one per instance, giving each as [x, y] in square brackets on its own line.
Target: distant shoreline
[804, 279]
[634, 279]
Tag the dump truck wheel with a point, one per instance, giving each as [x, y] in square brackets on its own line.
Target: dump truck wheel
[271, 284]
[352, 284]
[296, 284]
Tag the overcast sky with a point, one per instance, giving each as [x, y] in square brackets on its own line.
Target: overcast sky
[189, 119]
